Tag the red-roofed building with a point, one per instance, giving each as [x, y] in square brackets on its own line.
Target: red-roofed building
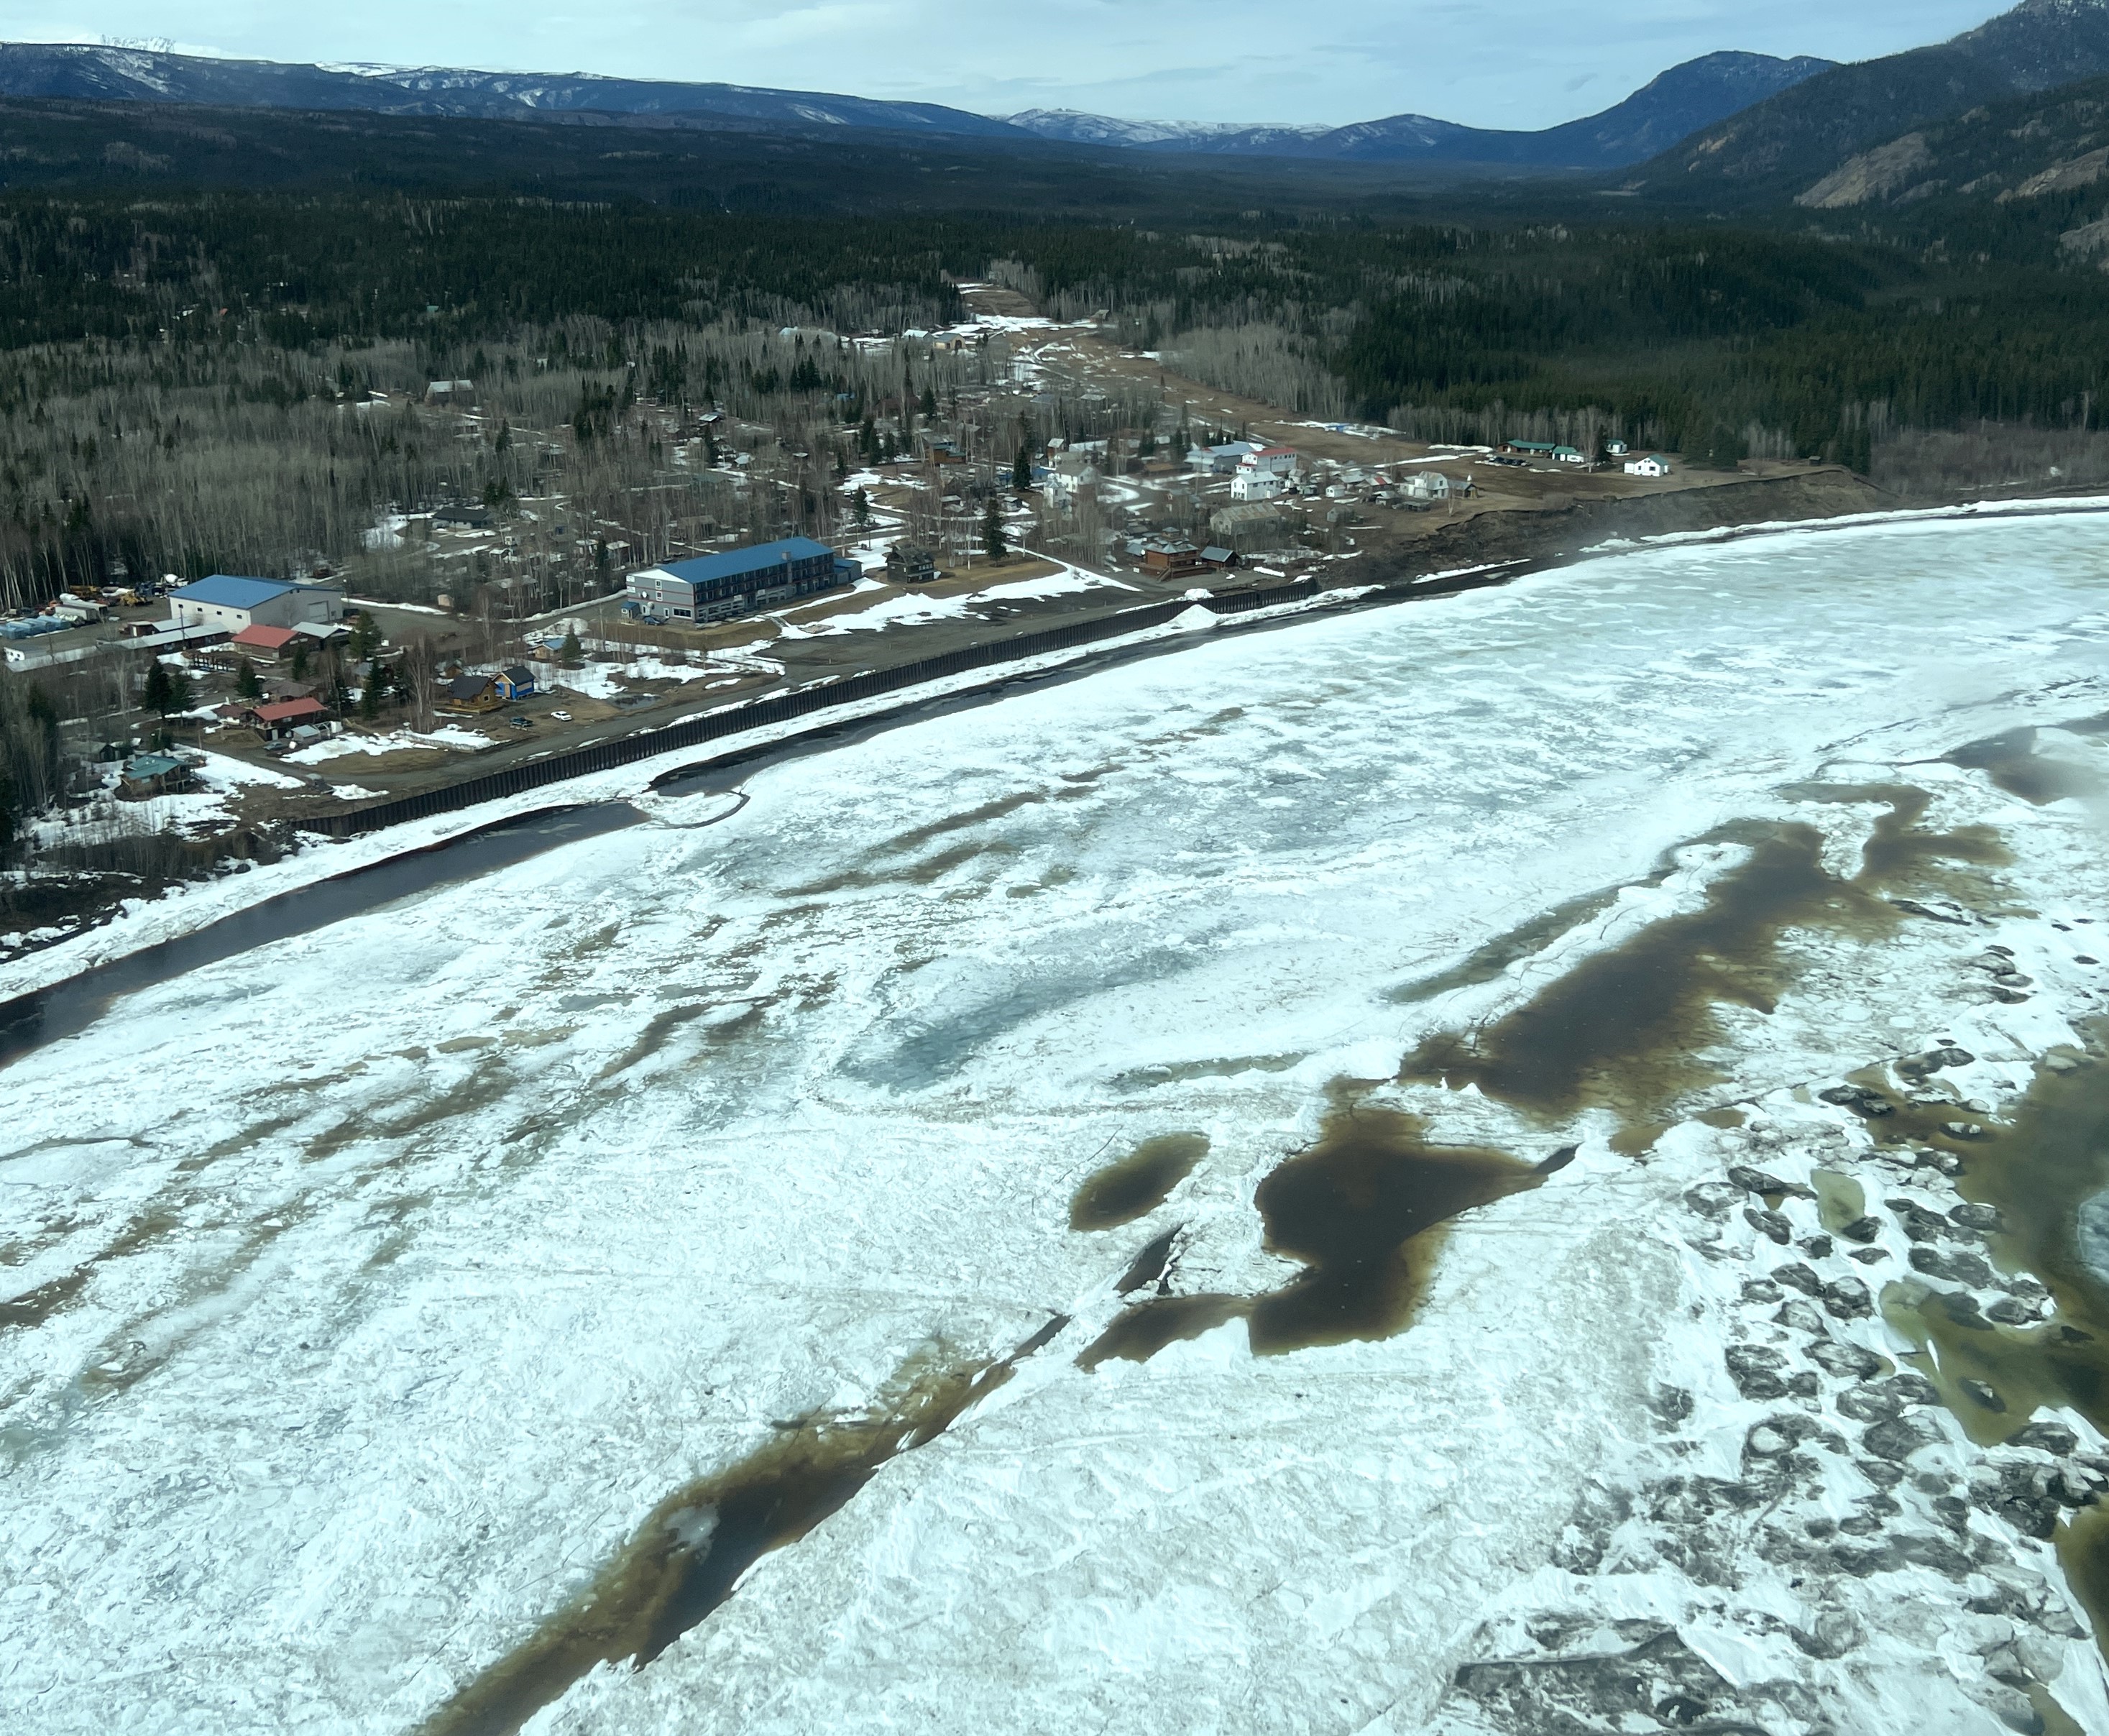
[282, 716]
[262, 644]
[1271, 461]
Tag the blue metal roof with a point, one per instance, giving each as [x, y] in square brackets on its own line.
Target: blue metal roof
[233, 593]
[736, 563]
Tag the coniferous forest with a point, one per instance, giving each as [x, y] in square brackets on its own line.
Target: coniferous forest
[178, 354]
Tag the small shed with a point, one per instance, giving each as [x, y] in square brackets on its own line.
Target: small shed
[515, 681]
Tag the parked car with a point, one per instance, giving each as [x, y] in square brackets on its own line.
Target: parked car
[560, 716]
[519, 723]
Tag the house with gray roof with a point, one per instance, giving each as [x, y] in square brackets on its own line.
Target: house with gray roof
[230, 604]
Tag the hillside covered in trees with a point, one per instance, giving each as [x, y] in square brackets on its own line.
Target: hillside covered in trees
[177, 375]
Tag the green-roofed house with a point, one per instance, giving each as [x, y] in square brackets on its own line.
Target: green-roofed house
[153, 775]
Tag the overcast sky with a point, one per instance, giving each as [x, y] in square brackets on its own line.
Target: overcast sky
[1507, 63]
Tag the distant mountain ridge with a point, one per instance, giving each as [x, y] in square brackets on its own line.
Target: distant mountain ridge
[1670, 107]
[1780, 147]
[1678, 102]
[95, 72]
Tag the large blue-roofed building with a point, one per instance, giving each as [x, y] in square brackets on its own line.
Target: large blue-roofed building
[231, 603]
[713, 587]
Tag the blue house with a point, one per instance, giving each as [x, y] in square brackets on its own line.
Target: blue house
[517, 682]
[714, 587]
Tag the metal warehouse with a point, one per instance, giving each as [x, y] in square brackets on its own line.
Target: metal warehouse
[714, 586]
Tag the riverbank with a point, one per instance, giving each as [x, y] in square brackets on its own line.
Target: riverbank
[188, 908]
[1801, 505]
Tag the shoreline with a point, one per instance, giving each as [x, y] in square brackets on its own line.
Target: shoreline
[191, 909]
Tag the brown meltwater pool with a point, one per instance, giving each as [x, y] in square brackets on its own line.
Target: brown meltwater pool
[685, 1560]
[1362, 1211]
[1627, 1028]
[2045, 1168]
[1133, 1187]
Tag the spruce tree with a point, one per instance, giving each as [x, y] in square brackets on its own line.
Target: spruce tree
[571, 654]
[1021, 471]
[246, 681]
[993, 538]
[158, 695]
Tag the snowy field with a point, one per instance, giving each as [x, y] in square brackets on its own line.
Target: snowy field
[372, 1288]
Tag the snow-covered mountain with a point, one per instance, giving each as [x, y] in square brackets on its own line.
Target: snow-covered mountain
[97, 71]
[1680, 101]
[1074, 127]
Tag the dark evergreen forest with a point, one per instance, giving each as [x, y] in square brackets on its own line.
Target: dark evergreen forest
[128, 310]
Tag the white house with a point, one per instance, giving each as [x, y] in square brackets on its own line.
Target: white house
[1273, 461]
[231, 604]
[1616, 449]
[1653, 465]
[1070, 473]
[1428, 485]
[1256, 485]
[1568, 456]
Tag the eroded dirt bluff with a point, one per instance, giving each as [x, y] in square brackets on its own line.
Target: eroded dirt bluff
[1553, 532]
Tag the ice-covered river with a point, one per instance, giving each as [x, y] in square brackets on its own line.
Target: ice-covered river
[374, 1287]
